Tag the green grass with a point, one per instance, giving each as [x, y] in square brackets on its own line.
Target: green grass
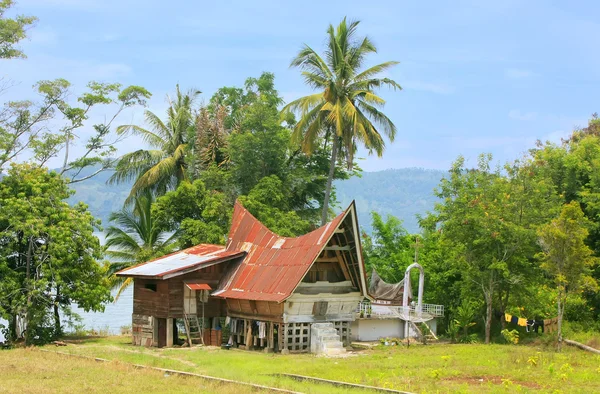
[32, 371]
[434, 368]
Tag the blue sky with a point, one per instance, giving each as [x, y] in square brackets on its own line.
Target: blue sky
[478, 76]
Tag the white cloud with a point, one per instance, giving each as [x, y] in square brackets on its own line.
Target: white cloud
[517, 73]
[518, 115]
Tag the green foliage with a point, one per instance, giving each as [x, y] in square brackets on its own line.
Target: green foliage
[161, 169]
[510, 336]
[346, 110]
[135, 239]
[198, 215]
[36, 128]
[268, 203]
[565, 256]
[12, 30]
[48, 252]
[487, 222]
[389, 250]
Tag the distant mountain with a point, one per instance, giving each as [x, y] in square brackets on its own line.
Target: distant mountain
[403, 193]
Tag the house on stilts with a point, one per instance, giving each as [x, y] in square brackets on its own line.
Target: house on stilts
[260, 291]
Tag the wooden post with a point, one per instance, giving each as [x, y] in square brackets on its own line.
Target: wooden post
[169, 332]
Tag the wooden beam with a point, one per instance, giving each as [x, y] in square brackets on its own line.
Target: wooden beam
[327, 260]
[338, 248]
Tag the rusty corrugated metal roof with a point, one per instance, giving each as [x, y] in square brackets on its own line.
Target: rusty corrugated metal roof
[198, 286]
[181, 262]
[274, 265]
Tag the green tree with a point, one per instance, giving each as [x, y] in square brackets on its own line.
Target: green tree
[346, 108]
[566, 257]
[48, 253]
[572, 166]
[197, 215]
[35, 130]
[163, 168]
[268, 202]
[12, 31]
[135, 239]
[390, 249]
[489, 218]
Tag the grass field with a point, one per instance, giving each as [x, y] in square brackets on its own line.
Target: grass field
[434, 368]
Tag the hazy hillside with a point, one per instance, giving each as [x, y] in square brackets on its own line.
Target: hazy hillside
[402, 193]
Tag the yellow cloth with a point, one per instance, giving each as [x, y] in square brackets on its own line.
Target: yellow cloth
[507, 317]
[522, 322]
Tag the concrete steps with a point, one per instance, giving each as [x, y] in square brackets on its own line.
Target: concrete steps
[324, 339]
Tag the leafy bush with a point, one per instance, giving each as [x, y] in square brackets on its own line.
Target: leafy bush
[510, 336]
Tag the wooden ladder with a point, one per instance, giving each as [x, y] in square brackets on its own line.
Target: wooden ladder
[193, 329]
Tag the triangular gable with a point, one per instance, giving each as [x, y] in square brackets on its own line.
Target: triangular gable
[274, 266]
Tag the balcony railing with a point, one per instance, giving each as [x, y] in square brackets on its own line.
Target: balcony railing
[428, 311]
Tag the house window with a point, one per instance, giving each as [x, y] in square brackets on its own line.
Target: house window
[150, 286]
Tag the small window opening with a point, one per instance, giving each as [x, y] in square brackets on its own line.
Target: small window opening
[150, 286]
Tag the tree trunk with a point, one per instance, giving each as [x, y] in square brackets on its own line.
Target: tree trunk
[57, 327]
[334, 149]
[28, 289]
[488, 321]
[561, 309]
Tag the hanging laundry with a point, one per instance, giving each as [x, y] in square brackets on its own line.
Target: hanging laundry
[530, 324]
[547, 325]
[507, 317]
[514, 319]
[262, 330]
[227, 321]
[522, 322]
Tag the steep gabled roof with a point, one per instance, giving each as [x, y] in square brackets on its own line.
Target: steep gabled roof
[274, 265]
[182, 262]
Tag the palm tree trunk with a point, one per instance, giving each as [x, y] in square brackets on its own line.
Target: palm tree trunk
[334, 149]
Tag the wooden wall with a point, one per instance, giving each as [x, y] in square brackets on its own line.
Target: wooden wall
[167, 300]
[148, 302]
[255, 310]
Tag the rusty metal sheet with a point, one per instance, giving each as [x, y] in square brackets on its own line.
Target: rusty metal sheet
[274, 265]
[198, 286]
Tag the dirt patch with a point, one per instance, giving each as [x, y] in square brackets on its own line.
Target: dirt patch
[498, 380]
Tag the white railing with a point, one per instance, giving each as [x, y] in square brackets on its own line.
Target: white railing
[428, 311]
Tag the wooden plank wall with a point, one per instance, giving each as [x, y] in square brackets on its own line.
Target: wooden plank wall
[148, 302]
[255, 310]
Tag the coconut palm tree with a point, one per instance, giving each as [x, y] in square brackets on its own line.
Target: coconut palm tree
[346, 108]
[135, 239]
[161, 169]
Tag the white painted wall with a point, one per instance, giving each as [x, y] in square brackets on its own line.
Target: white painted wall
[374, 329]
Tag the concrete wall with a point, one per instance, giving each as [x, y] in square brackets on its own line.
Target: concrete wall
[374, 329]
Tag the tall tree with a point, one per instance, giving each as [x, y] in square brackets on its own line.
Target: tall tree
[48, 253]
[34, 129]
[346, 109]
[566, 257]
[163, 168]
[489, 219]
[12, 30]
[136, 238]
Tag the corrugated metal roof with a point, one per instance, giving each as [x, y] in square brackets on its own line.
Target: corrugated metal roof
[181, 262]
[198, 286]
[274, 265]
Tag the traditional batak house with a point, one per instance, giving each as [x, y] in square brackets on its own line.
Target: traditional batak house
[268, 292]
